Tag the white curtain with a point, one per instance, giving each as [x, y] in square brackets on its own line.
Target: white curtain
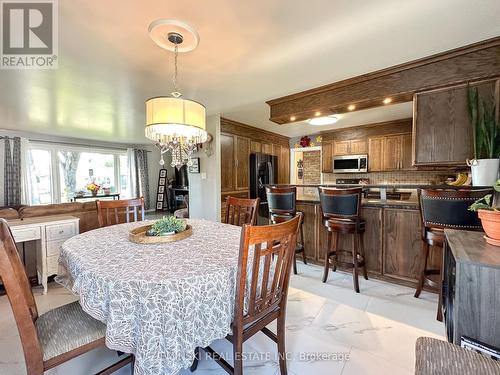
[132, 172]
[25, 172]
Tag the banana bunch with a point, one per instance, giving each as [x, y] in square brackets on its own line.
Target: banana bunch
[462, 179]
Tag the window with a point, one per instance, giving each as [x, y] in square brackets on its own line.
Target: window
[58, 171]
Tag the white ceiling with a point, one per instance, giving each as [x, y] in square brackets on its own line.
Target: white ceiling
[250, 52]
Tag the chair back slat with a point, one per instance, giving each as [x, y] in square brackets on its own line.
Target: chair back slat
[121, 211]
[21, 299]
[449, 208]
[340, 203]
[263, 286]
[240, 211]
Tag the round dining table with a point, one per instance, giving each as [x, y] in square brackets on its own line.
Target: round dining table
[158, 301]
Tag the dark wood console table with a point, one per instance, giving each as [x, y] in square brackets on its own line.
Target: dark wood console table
[471, 288]
[114, 196]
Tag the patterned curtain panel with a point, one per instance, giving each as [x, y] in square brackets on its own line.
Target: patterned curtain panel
[12, 170]
[142, 176]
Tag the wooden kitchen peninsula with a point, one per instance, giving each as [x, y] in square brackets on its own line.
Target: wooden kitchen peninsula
[392, 238]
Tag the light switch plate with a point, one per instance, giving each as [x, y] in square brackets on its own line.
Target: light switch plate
[203, 176]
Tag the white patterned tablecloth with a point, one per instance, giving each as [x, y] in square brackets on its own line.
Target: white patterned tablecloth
[158, 301]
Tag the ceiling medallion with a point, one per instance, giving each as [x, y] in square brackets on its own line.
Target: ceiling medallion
[175, 124]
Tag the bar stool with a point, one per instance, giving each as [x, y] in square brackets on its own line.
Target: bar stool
[341, 215]
[440, 209]
[282, 207]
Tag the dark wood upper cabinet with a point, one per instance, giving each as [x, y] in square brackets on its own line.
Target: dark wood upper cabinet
[227, 161]
[242, 163]
[442, 131]
[389, 153]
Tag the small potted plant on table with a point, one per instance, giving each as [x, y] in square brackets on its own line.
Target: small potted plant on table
[93, 188]
[489, 213]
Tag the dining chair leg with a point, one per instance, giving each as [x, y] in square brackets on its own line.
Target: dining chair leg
[362, 252]
[355, 263]
[281, 343]
[197, 354]
[294, 264]
[302, 242]
[423, 266]
[238, 355]
[327, 257]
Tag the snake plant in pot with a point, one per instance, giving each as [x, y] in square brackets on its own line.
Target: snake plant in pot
[488, 211]
[486, 139]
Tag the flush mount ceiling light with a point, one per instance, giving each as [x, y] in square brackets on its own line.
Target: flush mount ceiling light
[326, 120]
[175, 124]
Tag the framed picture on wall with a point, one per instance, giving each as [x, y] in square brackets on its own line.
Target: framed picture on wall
[195, 167]
[159, 205]
[161, 189]
[161, 182]
[160, 198]
[163, 173]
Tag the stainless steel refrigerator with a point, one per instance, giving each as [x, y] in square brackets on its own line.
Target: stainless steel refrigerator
[263, 171]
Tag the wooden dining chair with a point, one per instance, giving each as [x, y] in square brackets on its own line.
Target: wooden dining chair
[240, 211]
[264, 267]
[121, 211]
[55, 337]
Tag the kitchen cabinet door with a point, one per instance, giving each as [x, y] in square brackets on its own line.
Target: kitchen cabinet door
[375, 154]
[326, 157]
[402, 243]
[276, 150]
[441, 124]
[227, 162]
[406, 145]
[242, 163]
[255, 147]
[340, 148]
[373, 239]
[311, 227]
[267, 148]
[391, 153]
[284, 166]
[357, 147]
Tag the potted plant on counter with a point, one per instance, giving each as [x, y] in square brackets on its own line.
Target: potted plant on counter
[486, 139]
[489, 213]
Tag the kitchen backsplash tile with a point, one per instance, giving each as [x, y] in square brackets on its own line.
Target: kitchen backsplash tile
[395, 177]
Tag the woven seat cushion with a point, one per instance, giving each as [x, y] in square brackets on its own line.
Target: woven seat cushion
[440, 357]
[66, 328]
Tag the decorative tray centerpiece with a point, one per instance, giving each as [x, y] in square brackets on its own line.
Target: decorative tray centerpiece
[166, 229]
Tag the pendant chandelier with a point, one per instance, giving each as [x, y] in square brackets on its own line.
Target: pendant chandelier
[177, 125]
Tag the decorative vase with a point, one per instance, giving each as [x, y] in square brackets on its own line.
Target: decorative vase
[484, 171]
[107, 191]
[490, 221]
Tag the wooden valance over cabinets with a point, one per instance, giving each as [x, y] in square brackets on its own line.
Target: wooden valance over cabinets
[399, 83]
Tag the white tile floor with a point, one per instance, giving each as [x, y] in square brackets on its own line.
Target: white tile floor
[370, 333]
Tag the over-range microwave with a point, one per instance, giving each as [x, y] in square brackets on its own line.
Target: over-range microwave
[350, 164]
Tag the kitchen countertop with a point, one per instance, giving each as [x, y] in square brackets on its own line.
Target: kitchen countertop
[410, 204]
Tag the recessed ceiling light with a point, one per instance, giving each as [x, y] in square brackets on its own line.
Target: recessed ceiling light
[292, 118]
[326, 120]
[352, 107]
[387, 100]
[317, 114]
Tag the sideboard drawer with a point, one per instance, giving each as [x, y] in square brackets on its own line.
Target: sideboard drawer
[52, 265]
[60, 231]
[25, 234]
[54, 247]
